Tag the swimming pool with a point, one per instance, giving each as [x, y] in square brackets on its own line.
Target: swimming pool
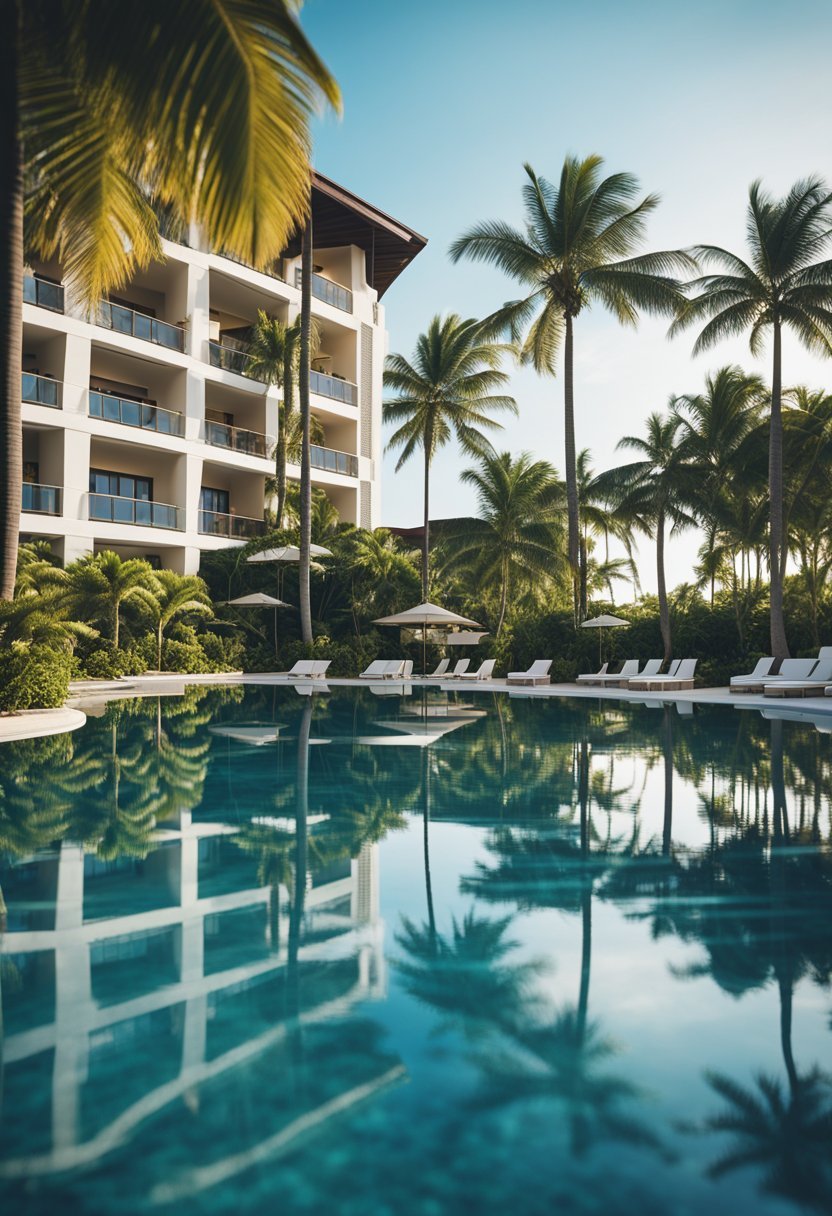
[437, 953]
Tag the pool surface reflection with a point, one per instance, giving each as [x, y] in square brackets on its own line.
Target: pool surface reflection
[437, 953]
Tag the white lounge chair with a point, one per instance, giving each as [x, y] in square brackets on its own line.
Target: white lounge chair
[305, 669]
[376, 670]
[762, 669]
[588, 677]
[681, 675]
[790, 669]
[628, 672]
[441, 667]
[812, 686]
[407, 669]
[460, 668]
[538, 673]
[483, 672]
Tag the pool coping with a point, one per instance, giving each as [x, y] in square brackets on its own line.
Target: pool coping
[38, 723]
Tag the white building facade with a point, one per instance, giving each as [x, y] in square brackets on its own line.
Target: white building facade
[143, 431]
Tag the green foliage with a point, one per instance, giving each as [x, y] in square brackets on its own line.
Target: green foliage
[33, 676]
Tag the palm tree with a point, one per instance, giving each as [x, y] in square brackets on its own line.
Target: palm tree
[596, 519]
[101, 583]
[206, 106]
[577, 249]
[384, 578]
[781, 286]
[274, 353]
[176, 595]
[447, 390]
[305, 354]
[652, 493]
[518, 531]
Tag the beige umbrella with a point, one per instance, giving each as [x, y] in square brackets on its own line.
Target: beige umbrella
[428, 616]
[259, 599]
[602, 622]
[287, 553]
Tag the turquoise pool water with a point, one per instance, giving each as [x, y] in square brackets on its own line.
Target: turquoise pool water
[358, 954]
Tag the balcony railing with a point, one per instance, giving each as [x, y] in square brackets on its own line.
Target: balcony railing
[236, 439]
[332, 461]
[124, 320]
[112, 509]
[40, 390]
[232, 358]
[326, 290]
[43, 293]
[41, 500]
[235, 527]
[135, 413]
[334, 387]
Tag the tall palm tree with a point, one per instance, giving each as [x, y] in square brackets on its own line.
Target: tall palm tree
[176, 595]
[101, 583]
[274, 353]
[305, 354]
[204, 105]
[577, 248]
[781, 286]
[597, 520]
[449, 389]
[652, 492]
[518, 533]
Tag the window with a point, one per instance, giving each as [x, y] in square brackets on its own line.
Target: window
[121, 485]
[215, 500]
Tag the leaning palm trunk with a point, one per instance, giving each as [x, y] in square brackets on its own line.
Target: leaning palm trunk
[305, 411]
[664, 610]
[571, 473]
[777, 548]
[11, 293]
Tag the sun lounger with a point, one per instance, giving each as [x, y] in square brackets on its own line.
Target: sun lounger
[813, 686]
[628, 671]
[407, 669]
[460, 668]
[588, 677]
[790, 669]
[441, 668]
[305, 669]
[763, 669]
[681, 676]
[483, 672]
[377, 670]
[538, 673]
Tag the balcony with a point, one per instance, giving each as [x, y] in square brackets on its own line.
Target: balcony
[136, 414]
[41, 500]
[334, 387]
[43, 293]
[234, 527]
[112, 509]
[326, 290]
[236, 439]
[332, 461]
[231, 356]
[124, 320]
[40, 390]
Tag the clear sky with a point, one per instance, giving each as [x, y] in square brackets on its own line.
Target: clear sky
[444, 101]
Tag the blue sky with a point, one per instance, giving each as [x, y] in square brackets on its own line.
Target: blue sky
[443, 102]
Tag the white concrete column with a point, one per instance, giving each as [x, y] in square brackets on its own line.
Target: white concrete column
[198, 310]
[76, 480]
[76, 374]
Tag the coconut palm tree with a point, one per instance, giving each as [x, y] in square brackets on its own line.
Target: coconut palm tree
[781, 286]
[652, 492]
[448, 390]
[101, 583]
[518, 532]
[577, 248]
[176, 595]
[597, 520]
[204, 105]
[273, 350]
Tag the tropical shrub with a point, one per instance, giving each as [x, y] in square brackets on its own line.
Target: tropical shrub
[33, 677]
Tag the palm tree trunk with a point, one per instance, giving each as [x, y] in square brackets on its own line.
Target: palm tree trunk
[569, 443]
[586, 894]
[159, 647]
[283, 423]
[777, 564]
[664, 611]
[116, 607]
[583, 579]
[305, 410]
[428, 443]
[503, 597]
[11, 293]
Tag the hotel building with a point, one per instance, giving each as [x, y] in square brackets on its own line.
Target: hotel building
[144, 431]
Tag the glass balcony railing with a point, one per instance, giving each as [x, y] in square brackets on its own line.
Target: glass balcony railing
[124, 320]
[41, 500]
[234, 527]
[332, 461]
[236, 439]
[43, 293]
[334, 387]
[135, 413]
[112, 509]
[231, 358]
[40, 390]
[326, 290]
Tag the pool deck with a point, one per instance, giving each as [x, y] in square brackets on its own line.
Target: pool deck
[92, 696]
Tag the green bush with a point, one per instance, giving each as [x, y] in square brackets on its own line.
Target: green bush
[33, 676]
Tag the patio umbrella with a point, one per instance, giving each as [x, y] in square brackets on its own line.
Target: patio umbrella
[285, 553]
[605, 621]
[428, 616]
[259, 599]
